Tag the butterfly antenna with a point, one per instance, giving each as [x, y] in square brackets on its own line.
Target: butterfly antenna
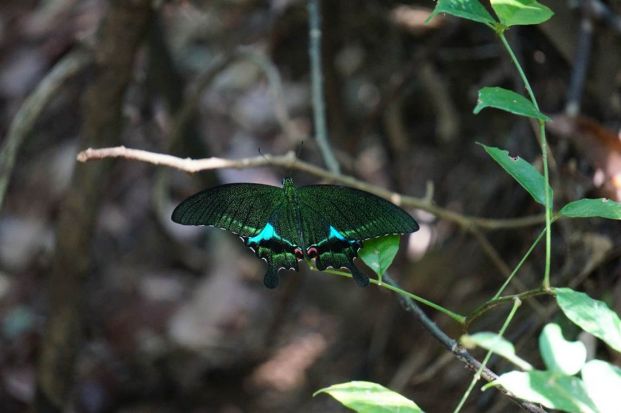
[298, 151]
[261, 153]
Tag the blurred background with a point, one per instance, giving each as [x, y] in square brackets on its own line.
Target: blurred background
[158, 317]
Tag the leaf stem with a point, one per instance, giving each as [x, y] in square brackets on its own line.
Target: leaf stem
[477, 376]
[455, 316]
[544, 154]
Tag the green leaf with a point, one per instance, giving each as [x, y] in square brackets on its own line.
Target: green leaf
[521, 171]
[367, 397]
[603, 382]
[561, 356]
[554, 391]
[378, 253]
[521, 12]
[588, 208]
[509, 101]
[593, 316]
[466, 9]
[497, 344]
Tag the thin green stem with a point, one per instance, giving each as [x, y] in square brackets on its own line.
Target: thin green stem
[544, 154]
[519, 265]
[546, 176]
[455, 316]
[477, 376]
[516, 62]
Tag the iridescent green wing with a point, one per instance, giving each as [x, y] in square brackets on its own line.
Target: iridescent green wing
[357, 214]
[242, 209]
[337, 219]
[255, 212]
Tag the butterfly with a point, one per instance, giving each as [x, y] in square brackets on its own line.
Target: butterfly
[327, 223]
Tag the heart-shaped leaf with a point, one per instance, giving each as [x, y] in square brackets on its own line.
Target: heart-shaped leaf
[378, 253]
[560, 355]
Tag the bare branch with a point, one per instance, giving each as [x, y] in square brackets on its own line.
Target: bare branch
[290, 161]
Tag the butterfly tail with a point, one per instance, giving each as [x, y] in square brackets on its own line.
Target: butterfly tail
[271, 278]
[343, 259]
[360, 279]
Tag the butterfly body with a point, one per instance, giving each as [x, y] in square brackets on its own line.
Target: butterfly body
[282, 226]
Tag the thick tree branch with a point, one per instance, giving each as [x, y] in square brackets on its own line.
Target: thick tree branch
[290, 161]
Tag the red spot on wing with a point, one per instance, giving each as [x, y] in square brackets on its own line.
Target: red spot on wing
[298, 253]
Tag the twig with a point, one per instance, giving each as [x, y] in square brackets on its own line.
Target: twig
[319, 111]
[290, 161]
[222, 62]
[600, 11]
[185, 113]
[457, 350]
[32, 107]
[275, 83]
[436, 88]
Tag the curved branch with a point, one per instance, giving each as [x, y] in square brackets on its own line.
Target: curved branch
[485, 307]
[25, 119]
[290, 161]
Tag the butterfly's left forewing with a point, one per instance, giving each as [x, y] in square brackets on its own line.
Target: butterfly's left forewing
[241, 208]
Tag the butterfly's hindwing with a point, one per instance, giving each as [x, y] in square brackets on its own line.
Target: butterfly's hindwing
[327, 244]
[338, 252]
[275, 244]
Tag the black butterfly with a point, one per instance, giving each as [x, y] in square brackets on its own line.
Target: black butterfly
[288, 224]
